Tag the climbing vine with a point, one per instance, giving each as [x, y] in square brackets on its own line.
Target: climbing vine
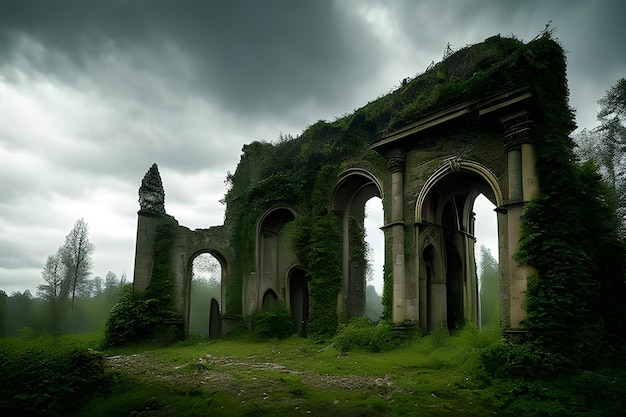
[151, 314]
[564, 236]
[569, 235]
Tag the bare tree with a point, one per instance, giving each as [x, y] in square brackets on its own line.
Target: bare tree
[76, 257]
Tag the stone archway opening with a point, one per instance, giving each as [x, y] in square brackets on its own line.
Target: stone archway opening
[448, 276]
[206, 295]
[270, 299]
[275, 256]
[356, 187]
[487, 261]
[299, 299]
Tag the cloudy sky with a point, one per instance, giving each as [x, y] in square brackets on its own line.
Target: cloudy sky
[93, 92]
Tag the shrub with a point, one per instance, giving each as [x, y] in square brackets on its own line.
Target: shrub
[528, 360]
[360, 333]
[47, 376]
[275, 322]
[136, 318]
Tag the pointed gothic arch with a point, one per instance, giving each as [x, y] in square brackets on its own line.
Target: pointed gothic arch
[445, 224]
[354, 188]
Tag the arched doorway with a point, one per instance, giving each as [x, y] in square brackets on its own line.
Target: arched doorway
[269, 300]
[275, 255]
[355, 188]
[205, 296]
[446, 227]
[299, 299]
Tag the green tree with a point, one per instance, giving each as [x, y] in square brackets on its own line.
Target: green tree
[4, 313]
[97, 286]
[605, 145]
[373, 304]
[112, 287]
[76, 257]
[489, 288]
[19, 311]
[53, 292]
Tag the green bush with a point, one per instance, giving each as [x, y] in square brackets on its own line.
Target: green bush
[136, 318]
[528, 360]
[47, 376]
[360, 333]
[275, 322]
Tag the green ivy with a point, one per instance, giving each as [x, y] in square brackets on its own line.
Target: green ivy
[48, 376]
[569, 234]
[150, 315]
[564, 236]
[276, 322]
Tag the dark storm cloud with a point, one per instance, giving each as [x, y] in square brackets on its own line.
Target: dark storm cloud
[93, 92]
[248, 56]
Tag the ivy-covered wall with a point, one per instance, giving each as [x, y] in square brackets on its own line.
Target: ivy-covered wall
[302, 173]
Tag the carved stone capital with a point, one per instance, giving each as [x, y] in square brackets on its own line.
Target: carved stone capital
[518, 129]
[395, 164]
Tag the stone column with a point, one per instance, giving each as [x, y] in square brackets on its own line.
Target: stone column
[147, 224]
[396, 167]
[523, 186]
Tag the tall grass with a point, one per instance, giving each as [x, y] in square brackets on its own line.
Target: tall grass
[46, 375]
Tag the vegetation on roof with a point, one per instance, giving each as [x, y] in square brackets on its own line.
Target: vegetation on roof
[300, 172]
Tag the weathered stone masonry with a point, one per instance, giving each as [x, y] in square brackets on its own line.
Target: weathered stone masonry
[435, 168]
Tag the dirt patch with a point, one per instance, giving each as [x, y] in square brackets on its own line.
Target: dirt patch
[238, 376]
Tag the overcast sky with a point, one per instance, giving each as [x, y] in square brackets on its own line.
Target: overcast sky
[93, 92]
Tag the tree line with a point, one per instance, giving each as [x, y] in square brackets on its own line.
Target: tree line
[68, 300]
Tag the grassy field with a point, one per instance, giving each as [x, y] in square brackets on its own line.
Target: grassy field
[434, 375]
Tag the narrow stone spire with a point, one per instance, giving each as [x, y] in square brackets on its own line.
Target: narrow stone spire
[151, 193]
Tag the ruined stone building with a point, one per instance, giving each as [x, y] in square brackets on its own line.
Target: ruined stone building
[292, 234]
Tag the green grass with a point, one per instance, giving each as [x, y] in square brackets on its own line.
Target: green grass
[435, 375]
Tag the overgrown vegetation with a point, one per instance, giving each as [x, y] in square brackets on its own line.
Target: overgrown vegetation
[48, 376]
[570, 237]
[436, 375]
[301, 172]
[361, 333]
[149, 315]
[274, 322]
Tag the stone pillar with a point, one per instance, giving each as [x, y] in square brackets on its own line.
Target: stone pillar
[514, 157]
[523, 187]
[396, 167]
[530, 185]
[471, 297]
[144, 247]
[150, 214]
